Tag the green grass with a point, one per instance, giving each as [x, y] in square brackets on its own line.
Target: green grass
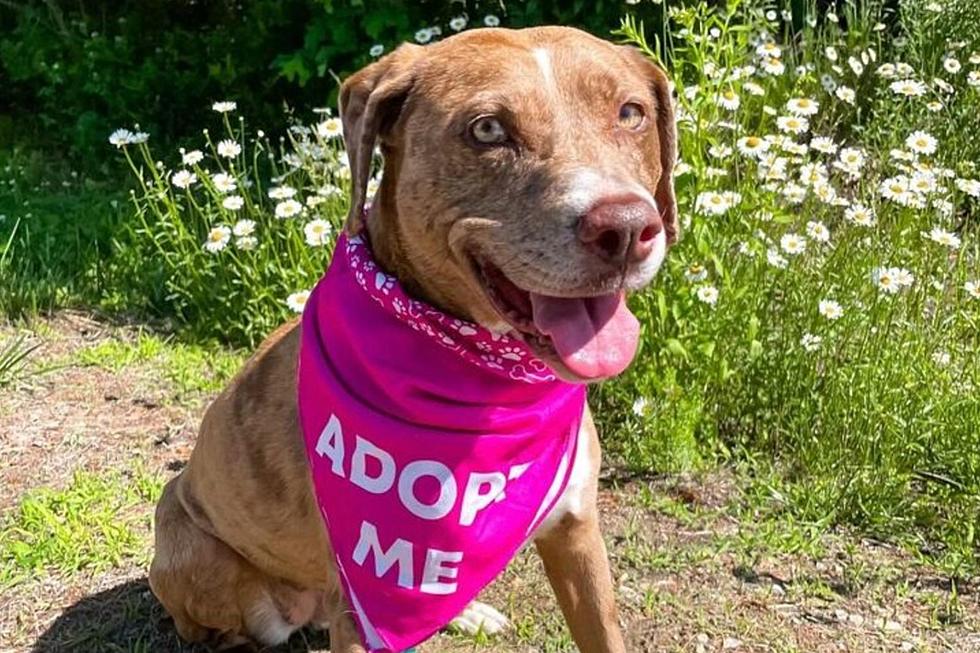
[191, 368]
[95, 523]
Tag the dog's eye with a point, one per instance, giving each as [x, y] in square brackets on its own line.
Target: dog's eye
[631, 115]
[487, 130]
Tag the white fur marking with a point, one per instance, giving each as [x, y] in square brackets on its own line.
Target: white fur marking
[266, 624]
[572, 499]
[544, 65]
[480, 618]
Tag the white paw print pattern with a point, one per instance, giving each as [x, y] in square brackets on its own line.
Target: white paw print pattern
[476, 344]
[512, 353]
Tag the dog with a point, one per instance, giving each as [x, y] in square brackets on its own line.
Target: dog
[527, 183]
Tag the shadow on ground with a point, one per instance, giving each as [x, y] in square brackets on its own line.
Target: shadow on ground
[128, 618]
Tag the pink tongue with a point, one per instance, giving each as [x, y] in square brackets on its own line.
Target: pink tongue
[595, 337]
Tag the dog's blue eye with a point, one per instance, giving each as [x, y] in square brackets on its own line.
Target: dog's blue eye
[487, 130]
[631, 115]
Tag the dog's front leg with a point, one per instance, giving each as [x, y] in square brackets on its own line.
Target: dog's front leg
[575, 557]
[575, 560]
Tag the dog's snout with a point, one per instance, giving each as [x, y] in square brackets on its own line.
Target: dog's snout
[620, 229]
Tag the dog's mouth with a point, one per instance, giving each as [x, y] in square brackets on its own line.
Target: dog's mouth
[594, 337]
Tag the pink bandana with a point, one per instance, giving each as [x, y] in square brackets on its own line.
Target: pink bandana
[436, 447]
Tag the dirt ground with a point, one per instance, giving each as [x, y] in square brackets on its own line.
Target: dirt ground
[690, 576]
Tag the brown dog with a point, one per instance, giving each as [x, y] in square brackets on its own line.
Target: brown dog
[517, 165]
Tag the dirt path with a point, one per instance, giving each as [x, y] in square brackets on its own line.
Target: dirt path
[689, 575]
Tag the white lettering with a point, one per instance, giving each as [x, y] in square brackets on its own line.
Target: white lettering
[447, 489]
[358, 468]
[399, 552]
[435, 571]
[474, 500]
[331, 445]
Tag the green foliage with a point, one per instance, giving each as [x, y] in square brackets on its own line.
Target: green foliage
[95, 523]
[75, 71]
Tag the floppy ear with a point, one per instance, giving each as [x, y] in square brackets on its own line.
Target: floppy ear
[663, 95]
[370, 101]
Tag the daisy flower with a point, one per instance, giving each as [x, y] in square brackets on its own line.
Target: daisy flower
[695, 272]
[972, 288]
[810, 342]
[217, 238]
[818, 231]
[297, 301]
[886, 70]
[288, 209]
[712, 203]
[773, 66]
[792, 244]
[921, 142]
[224, 183]
[812, 173]
[934, 106]
[753, 89]
[330, 128]
[246, 243]
[317, 232]
[641, 406]
[973, 78]
[775, 259]
[728, 99]
[769, 50]
[969, 186]
[229, 149]
[233, 202]
[376, 50]
[830, 309]
[183, 179]
[903, 277]
[860, 215]
[792, 124]
[794, 193]
[491, 21]
[457, 23]
[720, 151]
[851, 157]
[708, 294]
[224, 107]
[281, 192]
[803, 106]
[923, 182]
[424, 35]
[845, 94]
[121, 137]
[830, 52]
[886, 280]
[908, 88]
[192, 158]
[823, 145]
[752, 146]
[952, 65]
[243, 228]
[855, 65]
[824, 192]
[943, 237]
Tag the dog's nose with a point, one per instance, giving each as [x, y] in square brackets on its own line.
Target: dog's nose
[620, 229]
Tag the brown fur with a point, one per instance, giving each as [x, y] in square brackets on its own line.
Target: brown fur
[240, 526]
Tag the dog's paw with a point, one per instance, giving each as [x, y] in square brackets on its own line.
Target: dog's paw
[480, 618]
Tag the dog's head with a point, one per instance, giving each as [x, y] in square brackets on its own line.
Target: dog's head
[527, 183]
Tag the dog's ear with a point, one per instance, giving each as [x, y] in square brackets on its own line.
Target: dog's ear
[663, 95]
[370, 101]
